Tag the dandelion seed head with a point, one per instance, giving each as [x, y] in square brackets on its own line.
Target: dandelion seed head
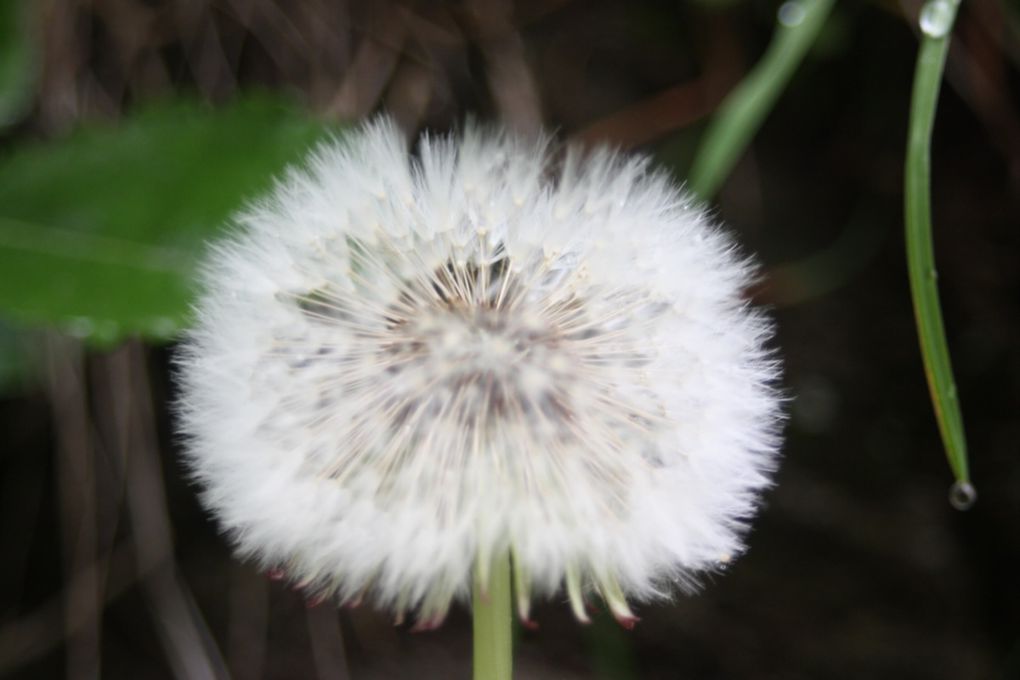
[404, 366]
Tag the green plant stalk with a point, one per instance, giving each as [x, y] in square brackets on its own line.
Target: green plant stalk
[744, 109]
[493, 622]
[920, 252]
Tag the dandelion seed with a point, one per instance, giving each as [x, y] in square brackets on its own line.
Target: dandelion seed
[403, 367]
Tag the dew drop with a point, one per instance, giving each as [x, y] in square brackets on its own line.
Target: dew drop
[937, 17]
[962, 495]
[791, 13]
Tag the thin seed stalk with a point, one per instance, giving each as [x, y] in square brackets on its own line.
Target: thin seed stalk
[492, 613]
[920, 251]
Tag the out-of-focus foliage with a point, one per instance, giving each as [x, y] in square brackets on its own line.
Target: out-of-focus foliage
[18, 67]
[100, 233]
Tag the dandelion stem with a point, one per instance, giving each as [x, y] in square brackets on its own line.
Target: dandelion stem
[744, 109]
[493, 619]
[920, 251]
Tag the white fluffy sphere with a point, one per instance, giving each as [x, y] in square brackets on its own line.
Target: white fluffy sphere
[403, 367]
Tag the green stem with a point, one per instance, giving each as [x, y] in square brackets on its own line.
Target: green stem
[920, 252]
[744, 109]
[493, 620]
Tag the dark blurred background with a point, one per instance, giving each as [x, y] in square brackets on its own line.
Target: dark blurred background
[858, 566]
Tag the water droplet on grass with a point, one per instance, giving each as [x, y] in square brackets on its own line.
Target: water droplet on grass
[791, 13]
[937, 17]
[962, 495]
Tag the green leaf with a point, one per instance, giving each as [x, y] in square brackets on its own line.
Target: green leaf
[100, 233]
[18, 61]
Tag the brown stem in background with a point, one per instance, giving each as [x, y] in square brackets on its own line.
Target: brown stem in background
[675, 107]
[109, 377]
[249, 621]
[409, 94]
[24, 489]
[59, 104]
[76, 485]
[374, 63]
[111, 571]
[511, 82]
[651, 118]
[327, 642]
[207, 57]
[979, 72]
[33, 635]
[182, 631]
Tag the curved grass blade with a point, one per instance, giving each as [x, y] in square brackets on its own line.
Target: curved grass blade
[936, 21]
[742, 112]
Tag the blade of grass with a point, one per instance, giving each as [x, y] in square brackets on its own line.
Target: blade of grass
[936, 22]
[742, 112]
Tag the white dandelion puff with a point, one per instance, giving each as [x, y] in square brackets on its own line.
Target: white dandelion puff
[405, 366]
